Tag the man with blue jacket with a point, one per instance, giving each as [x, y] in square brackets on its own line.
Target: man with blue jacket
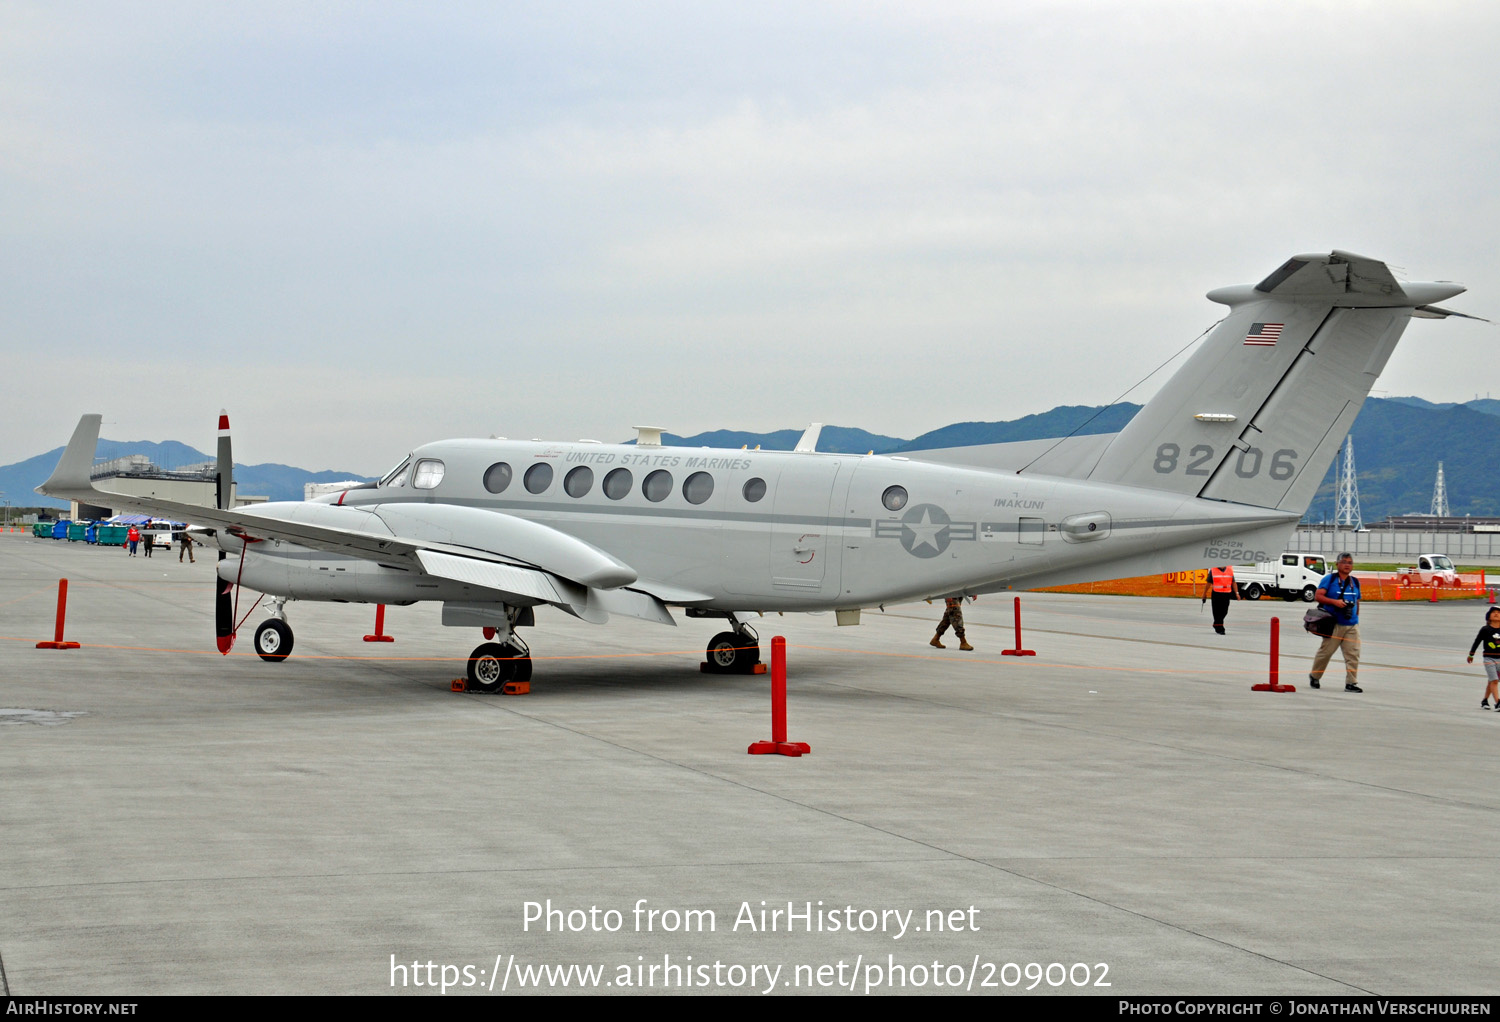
[1338, 593]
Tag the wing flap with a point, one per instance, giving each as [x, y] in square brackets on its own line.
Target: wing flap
[631, 603]
[504, 578]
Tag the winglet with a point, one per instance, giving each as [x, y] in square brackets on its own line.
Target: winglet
[75, 468]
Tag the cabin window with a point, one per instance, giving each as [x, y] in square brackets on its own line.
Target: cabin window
[497, 477]
[698, 487]
[894, 498]
[579, 481]
[538, 477]
[657, 485]
[617, 483]
[754, 489]
[429, 473]
[1289, 559]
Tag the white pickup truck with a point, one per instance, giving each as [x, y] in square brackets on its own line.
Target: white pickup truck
[1290, 577]
[1430, 570]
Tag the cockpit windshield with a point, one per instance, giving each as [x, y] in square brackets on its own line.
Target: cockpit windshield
[397, 475]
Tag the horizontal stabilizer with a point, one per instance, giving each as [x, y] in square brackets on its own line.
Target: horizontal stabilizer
[1257, 413]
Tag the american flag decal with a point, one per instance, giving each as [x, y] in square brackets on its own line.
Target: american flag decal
[1264, 334]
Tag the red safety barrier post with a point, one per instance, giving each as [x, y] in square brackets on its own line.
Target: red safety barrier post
[62, 613]
[1275, 685]
[1018, 651]
[1433, 597]
[778, 743]
[380, 635]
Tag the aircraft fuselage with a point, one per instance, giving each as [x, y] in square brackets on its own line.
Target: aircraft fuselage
[768, 530]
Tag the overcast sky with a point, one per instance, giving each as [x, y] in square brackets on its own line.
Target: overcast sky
[364, 226]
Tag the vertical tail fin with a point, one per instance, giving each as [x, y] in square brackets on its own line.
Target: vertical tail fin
[1258, 412]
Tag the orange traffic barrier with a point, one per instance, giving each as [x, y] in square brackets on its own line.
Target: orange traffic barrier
[1018, 651]
[1274, 685]
[62, 614]
[380, 635]
[778, 743]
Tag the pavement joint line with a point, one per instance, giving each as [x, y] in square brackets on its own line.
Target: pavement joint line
[1186, 751]
[953, 855]
[1192, 645]
[1184, 929]
[477, 871]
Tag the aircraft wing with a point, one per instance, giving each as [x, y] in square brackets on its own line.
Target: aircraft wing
[483, 548]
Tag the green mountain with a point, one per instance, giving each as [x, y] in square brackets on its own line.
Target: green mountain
[1059, 422]
[1398, 443]
[278, 482]
[1397, 447]
[832, 440]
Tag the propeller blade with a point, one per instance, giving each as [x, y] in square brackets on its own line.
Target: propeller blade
[224, 591]
[224, 614]
[226, 464]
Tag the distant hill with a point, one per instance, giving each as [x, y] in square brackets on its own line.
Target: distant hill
[1397, 447]
[1059, 422]
[833, 440]
[1397, 444]
[1489, 406]
[277, 482]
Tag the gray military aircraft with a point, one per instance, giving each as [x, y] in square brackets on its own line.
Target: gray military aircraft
[1216, 468]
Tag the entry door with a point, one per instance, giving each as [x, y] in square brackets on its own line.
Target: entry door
[805, 535]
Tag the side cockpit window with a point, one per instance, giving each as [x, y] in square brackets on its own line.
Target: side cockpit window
[428, 474]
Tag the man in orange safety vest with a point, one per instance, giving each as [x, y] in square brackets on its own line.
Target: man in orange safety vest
[1221, 583]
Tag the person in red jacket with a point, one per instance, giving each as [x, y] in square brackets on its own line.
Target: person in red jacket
[132, 538]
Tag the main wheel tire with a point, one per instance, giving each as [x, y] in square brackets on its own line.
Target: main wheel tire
[491, 665]
[729, 651]
[1253, 591]
[1309, 594]
[273, 640]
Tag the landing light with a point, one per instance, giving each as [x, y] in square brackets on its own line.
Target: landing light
[1214, 417]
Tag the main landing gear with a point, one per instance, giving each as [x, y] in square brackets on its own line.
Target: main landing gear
[736, 652]
[493, 664]
[503, 659]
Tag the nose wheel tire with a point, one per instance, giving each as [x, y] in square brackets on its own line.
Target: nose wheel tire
[493, 664]
[273, 640]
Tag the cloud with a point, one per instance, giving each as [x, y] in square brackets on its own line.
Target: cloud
[565, 219]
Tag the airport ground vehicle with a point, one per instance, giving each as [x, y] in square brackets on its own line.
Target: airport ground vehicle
[1290, 577]
[1430, 570]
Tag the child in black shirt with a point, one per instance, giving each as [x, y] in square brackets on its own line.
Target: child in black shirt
[1490, 636]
